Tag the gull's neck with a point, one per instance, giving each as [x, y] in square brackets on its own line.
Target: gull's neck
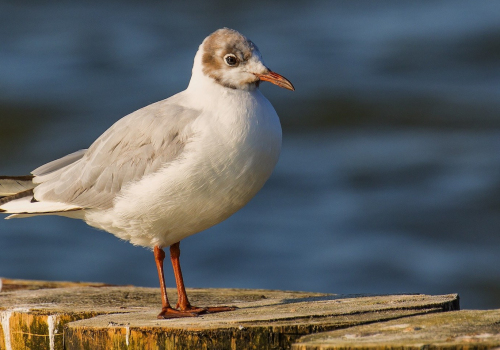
[199, 81]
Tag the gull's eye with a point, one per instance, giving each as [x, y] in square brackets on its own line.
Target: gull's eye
[231, 60]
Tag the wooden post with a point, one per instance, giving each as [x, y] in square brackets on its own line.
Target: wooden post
[124, 317]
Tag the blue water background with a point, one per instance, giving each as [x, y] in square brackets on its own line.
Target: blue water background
[389, 179]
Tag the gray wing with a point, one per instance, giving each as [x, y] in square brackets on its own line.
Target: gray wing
[59, 163]
[138, 144]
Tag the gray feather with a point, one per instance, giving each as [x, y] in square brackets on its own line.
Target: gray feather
[10, 185]
[58, 163]
[138, 144]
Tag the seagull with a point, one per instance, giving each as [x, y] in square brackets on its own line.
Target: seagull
[173, 168]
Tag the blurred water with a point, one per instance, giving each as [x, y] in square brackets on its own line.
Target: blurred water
[389, 178]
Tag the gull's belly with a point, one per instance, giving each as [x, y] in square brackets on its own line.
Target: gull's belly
[216, 195]
[216, 179]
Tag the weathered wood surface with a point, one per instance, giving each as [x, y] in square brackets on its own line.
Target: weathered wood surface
[466, 329]
[8, 285]
[274, 322]
[111, 317]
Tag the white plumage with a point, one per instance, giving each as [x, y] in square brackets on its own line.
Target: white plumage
[175, 167]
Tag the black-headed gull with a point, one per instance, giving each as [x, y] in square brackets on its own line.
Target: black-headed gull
[173, 168]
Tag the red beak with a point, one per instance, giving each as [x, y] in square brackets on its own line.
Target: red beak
[276, 79]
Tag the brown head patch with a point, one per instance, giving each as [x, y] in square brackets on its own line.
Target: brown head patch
[220, 43]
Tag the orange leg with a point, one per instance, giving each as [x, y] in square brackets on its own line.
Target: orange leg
[166, 310]
[183, 302]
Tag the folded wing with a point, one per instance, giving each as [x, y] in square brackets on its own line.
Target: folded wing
[137, 145]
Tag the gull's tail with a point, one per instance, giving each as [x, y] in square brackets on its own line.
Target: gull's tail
[17, 193]
[13, 188]
[11, 185]
[17, 198]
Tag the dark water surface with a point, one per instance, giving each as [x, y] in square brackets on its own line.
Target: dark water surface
[389, 180]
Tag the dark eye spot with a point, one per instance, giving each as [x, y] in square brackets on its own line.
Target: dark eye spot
[231, 60]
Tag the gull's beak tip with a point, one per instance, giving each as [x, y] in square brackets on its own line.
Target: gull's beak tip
[276, 79]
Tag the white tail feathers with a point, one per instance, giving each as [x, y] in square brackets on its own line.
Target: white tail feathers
[23, 207]
[16, 192]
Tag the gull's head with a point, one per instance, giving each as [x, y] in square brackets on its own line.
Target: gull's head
[235, 62]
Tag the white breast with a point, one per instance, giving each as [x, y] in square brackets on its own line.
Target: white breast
[237, 145]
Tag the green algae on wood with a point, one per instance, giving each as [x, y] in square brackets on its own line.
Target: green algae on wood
[466, 329]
